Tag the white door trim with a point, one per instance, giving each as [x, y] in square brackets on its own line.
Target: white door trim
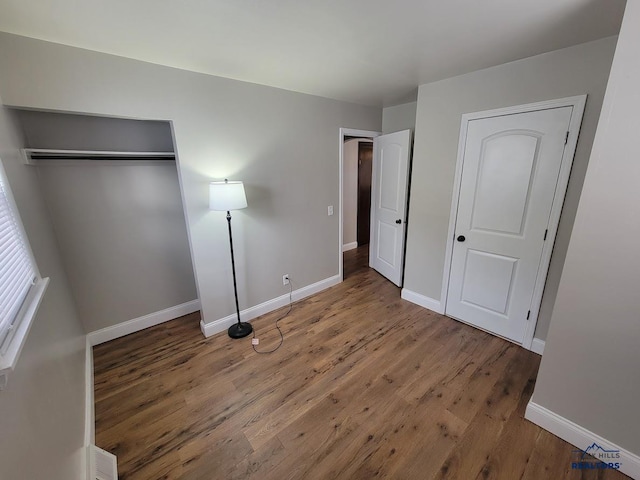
[578, 104]
[346, 132]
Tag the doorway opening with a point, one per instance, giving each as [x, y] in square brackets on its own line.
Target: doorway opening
[356, 207]
[354, 210]
[99, 176]
[374, 183]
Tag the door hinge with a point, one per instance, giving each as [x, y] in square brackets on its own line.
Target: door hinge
[545, 235]
[528, 314]
[566, 138]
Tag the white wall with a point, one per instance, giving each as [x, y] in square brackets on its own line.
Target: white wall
[589, 373]
[350, 190]
[399, 117]
[42, 408]
[562, 73]
[283, 145]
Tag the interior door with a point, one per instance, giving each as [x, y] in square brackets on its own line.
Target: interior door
[510, 169]
[389, 204]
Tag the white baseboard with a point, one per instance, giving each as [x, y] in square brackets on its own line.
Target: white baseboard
[250, 313]
[349, 246]
[135, 325]
[89, 403]
[580, 436]
[537, 346]
[421, 300]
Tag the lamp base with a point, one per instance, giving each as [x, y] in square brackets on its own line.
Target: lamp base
[240, 330]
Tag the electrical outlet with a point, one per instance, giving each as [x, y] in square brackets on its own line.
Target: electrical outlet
[285, 279]
[330, 210]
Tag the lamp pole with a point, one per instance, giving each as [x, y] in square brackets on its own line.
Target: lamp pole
[233, 267]
[240, 329]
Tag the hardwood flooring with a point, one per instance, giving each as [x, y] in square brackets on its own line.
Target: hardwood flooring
[366, 385]
[355, 261]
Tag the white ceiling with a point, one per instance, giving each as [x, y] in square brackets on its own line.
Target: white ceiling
[373, 52]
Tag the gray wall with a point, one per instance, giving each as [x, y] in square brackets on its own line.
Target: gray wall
[589, 373]
[85, 132]
[399, 117]
[562, 73]
[123, 239]
[283, 145]
[42, 408]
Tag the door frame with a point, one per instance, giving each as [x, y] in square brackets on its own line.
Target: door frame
[578, 103]
[346, 132]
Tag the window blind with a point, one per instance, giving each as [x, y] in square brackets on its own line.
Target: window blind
[17, 271]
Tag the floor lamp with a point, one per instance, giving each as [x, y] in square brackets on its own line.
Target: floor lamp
[227, 196]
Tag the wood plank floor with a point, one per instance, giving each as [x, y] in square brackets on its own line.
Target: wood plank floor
[366, 385]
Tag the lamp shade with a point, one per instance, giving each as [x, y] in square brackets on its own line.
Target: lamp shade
[227, 196]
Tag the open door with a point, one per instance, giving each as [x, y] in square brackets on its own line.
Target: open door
[389, 190]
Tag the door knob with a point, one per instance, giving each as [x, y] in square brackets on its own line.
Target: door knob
[461, 238]
[399, 221]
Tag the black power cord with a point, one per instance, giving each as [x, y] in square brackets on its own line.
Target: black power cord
[277, 326]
